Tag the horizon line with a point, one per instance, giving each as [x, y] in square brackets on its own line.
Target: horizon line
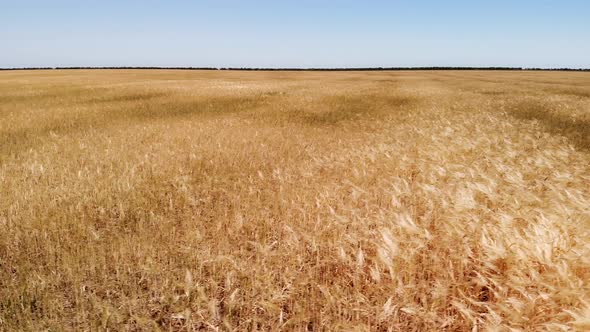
[297, 68]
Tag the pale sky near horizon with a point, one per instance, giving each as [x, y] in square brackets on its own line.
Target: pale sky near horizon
[305, 33]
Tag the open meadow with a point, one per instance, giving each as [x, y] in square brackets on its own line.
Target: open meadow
[140, 200]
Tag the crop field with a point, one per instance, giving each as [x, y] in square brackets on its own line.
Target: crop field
[141, 200]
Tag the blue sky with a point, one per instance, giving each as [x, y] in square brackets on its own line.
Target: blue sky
[305, 33]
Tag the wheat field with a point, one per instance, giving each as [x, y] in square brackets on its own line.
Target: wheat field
[145, 200]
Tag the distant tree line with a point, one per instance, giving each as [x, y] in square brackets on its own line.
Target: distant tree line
[310, 69]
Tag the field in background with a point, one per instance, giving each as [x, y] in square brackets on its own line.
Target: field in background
[187, 200]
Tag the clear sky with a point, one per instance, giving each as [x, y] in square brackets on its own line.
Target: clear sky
[289, 33]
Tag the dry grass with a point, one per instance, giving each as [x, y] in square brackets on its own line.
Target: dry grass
[402, 201]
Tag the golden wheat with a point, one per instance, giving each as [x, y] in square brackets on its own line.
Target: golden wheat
[375, 201]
